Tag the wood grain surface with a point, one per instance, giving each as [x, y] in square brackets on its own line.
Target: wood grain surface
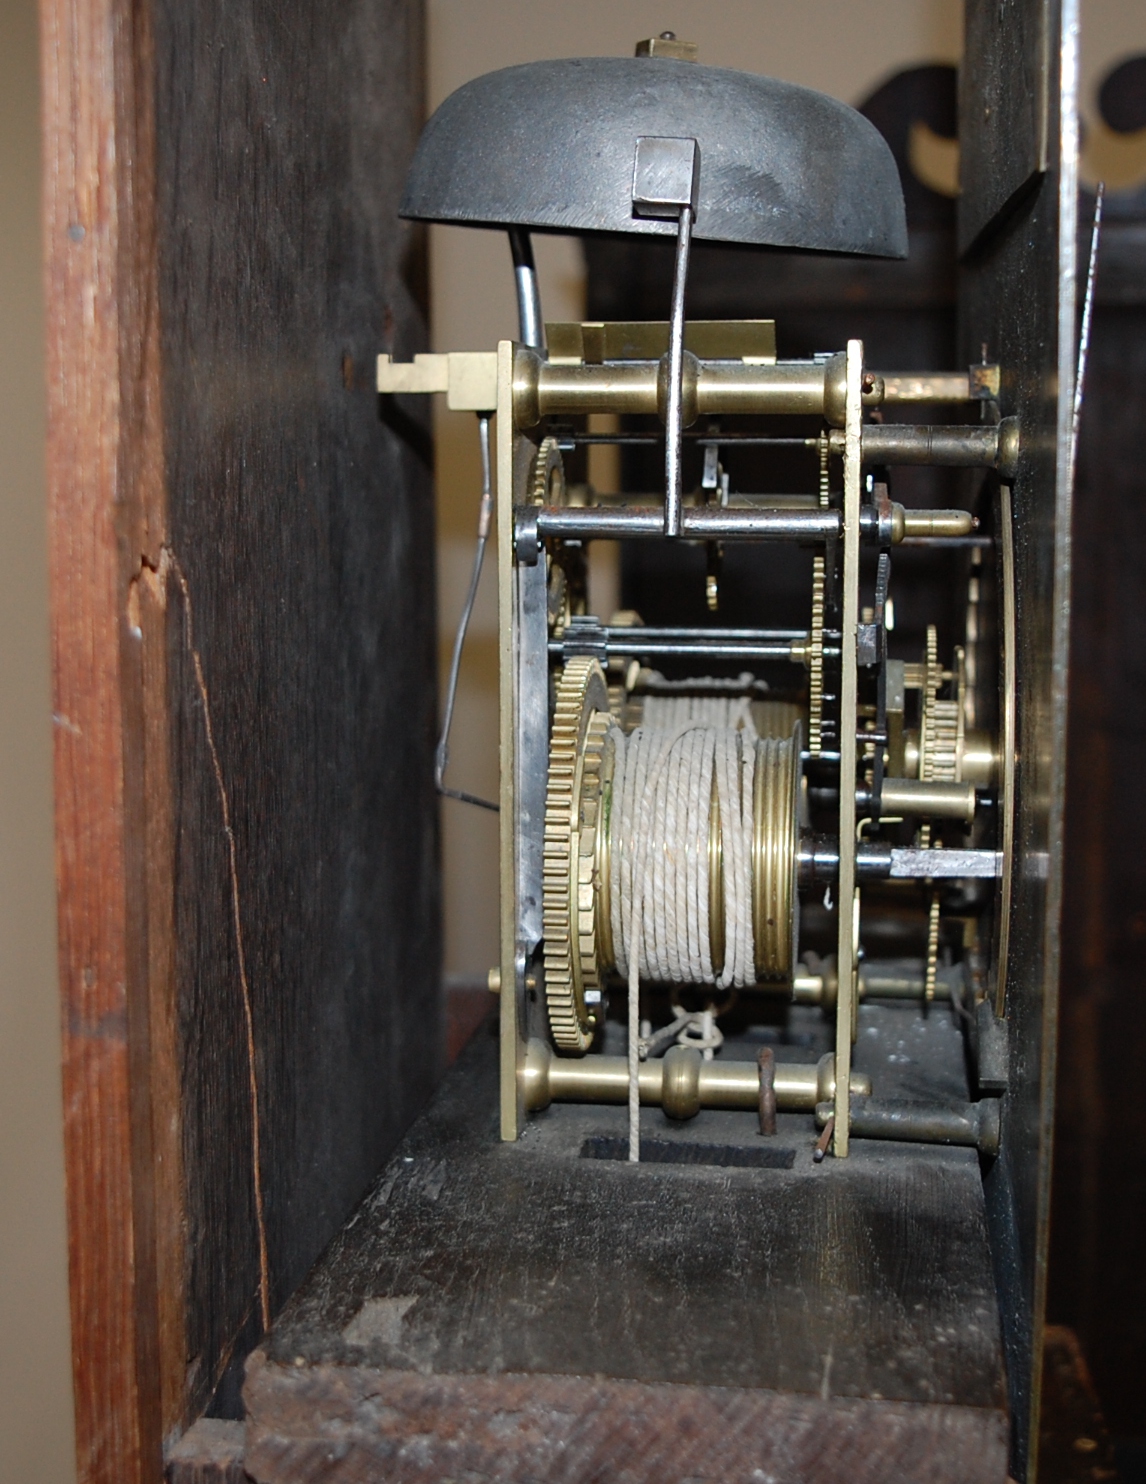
[243, 651]
[106, 502]
[1097, 1273]
[522, 1312]
[209, 1452]
[301, 644]
[1016, 297]
[354, 1426]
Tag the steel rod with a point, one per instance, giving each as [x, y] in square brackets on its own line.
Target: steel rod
[693, 649]
[531, 326]
[934, 386]
[570, 523]
[960, 865]
[819, 861]
[848, 917]
[976, 446]
[702, 440]
[732, 636]
[674, 420]
[973, 1125]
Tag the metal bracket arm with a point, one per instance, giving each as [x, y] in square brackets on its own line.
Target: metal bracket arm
[468, 378]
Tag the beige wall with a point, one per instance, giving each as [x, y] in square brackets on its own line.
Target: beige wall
[35, 1364]
[1111, 30]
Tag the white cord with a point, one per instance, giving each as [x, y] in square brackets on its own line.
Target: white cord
[663, 780]
[658, 850]
[714, 711]
[688, 1028]
[485, 520]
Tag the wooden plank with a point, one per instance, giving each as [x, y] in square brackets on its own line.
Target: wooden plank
[1017, 297]
[349, 1425]
[485, 1296]
[1074, 1444]
[299, 581]
[209, 1452]
[243, 647]
[1097, 1277]
[105, 492]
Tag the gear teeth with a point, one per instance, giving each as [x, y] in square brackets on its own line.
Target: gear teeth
[580, 724]
[816, 658]
[816, 632]
[939, 730]
[547, 485]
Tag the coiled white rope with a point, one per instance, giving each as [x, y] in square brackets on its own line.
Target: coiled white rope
[664, 712]
[697, 1028]
[663, 782]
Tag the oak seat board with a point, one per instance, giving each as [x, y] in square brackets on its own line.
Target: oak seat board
[470, 1257]
[354, 1426]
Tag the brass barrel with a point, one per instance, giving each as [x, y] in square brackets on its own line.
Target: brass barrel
[911, 796]
[935, 387]
[978, 760]
[691, 1083]
[916, 523]
[809, 388]
[775, 848]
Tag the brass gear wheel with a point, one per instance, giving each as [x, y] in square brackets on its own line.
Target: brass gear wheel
[547, 482]
[572, 853]
[557, 599]
[567, 577]
[815, 650]
[941, 727]
[815, 657]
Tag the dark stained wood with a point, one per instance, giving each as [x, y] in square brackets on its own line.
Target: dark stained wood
[243, 649]
[1016, 297]
[665, 1321]
[299, 577]
[355, 1425]
[1098, 1251]
[1074, 1444]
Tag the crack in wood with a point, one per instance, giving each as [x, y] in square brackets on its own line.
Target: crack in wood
[156, 576]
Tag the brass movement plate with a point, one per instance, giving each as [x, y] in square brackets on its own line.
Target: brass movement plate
[593, 343]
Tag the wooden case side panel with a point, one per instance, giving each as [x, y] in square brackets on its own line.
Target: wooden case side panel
[243, 613]
[1017, 298]
[1097, 1279]
[301, 638]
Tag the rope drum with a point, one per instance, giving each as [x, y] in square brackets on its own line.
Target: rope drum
[674, 854]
